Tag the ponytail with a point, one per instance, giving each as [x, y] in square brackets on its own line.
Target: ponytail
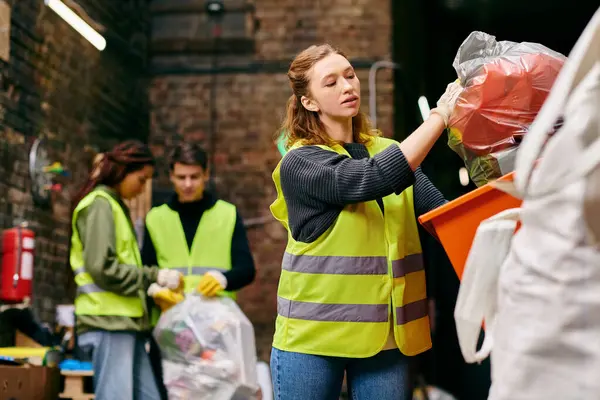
[293, 108]
[303, 125]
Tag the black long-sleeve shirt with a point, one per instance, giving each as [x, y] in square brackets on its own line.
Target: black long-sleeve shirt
[242, 270]
[318, 184]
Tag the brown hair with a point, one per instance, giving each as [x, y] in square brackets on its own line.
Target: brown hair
[112, 167]
[189, 154]
[303, 125]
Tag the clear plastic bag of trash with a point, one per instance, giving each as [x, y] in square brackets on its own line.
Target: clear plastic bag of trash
[505, 84]
[208, 350]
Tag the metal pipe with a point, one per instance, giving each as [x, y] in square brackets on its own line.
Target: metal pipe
[373, 86]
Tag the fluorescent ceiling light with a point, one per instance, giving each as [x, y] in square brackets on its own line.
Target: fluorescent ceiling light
[77, 23]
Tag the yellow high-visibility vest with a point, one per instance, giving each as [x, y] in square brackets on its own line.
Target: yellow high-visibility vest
[211, 247]
[336, 294]
[91, 299]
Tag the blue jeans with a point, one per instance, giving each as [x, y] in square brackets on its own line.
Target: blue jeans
[121, 364]
[297, 376]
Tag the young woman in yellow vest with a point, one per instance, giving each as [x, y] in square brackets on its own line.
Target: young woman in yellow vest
[197, 234]
[351, 297]
[112, 317]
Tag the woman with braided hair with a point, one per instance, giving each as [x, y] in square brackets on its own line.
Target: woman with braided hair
[112, 314]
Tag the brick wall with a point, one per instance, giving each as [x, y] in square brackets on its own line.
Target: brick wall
[58, 85]
[250, 98]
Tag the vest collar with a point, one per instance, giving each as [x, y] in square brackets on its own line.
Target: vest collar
[207, 201]
[113, 193]
[109, 190]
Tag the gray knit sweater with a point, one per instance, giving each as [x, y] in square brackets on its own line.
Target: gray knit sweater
[318, 183]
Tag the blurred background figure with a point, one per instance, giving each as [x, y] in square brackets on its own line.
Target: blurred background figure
[196, 234]
[112, 318]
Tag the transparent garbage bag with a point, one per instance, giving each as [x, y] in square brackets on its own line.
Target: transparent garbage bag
[505, 84]
[208, 350]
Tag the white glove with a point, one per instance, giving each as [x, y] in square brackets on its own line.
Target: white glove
[154, 289]
[446, 103]
[169, 278]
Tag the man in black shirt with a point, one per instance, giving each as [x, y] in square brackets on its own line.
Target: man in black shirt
[197, 234]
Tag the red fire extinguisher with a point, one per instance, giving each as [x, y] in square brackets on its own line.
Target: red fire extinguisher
[18, 246]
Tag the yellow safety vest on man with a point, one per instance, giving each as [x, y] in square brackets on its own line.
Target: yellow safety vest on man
[91, 299]
[211, 247]
[336, 294]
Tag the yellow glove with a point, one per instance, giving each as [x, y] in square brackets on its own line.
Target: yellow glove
[164, 298]
[211, 284]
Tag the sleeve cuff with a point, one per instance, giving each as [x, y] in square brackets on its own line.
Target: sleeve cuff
[153, 274]
[395, 169]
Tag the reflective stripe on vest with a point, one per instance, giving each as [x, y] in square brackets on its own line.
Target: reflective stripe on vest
[187, 271]
[351, 265]
[90, 298]
[336, 294]
[350, 312]
[211, 247]
[87, 288]
[332, 312]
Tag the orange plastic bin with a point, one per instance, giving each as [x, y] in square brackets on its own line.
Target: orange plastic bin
[455, 223]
